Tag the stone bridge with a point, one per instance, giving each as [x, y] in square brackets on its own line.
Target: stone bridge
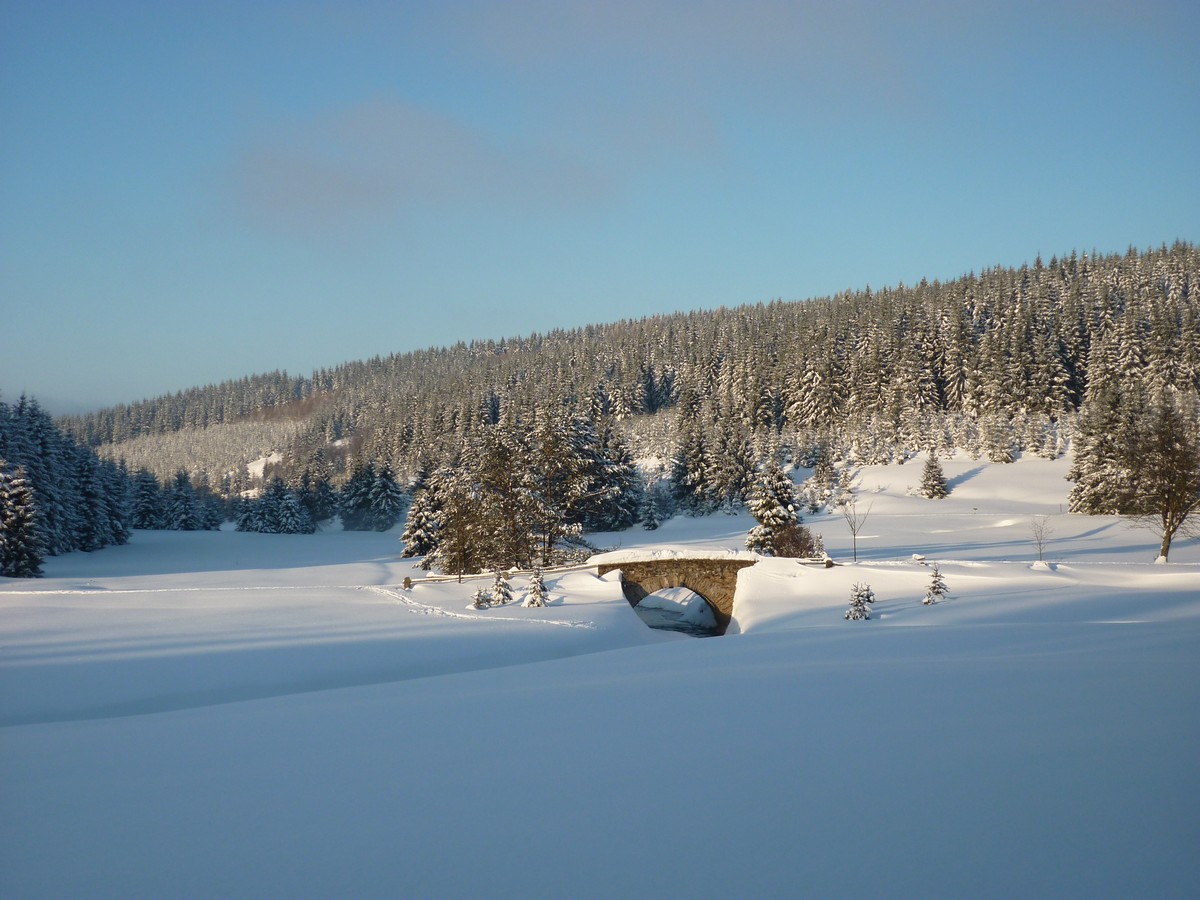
[712, 575]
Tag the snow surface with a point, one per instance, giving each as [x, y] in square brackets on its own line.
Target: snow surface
[255, 468]
[241, 715]
[687, 605]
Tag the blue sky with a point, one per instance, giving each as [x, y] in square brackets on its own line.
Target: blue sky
[191, 192]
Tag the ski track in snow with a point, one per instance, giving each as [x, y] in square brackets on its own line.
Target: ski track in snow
[406, 602]
[424, 609]
[179, 590]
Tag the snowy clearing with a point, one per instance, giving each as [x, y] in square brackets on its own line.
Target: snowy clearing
[243, 715]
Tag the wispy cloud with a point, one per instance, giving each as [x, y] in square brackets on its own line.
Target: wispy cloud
[388, 158]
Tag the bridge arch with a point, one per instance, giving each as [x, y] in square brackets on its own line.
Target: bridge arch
[713, 579]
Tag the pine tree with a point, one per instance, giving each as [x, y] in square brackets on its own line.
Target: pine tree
[480, 599]
[1166, 473]
[20, 545]
[183, 510]
[657, 505]
[91, 517]
[772, 503]
[860, 596]
[317, 496]
[502, 593]
[508, 500]
[937, 587]
[615, 492]
[293, 516]
[354, 502]
[271, 507]
[691, 474]
[117, 489]
[422, 525]
[457, 551]
[537, 590]
[1105, 436]
[560, 480]
[385, 501]
[933, 479]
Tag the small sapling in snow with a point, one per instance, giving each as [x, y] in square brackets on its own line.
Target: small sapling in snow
[937, 587]
[860, 596]
[481, 599]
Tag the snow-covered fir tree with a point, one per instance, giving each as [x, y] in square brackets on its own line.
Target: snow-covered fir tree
[315, 492]
[93, 528]
[148, 500]
[937, 586]
[79, 501]
[536, 596]
[772, 502]
[480, 599]
[933, 479]
[277, 511]
[1167, 473]
[1106, 436]
[354, 501]
[385, 501]
[183, 511]
[20, 546]
[458, 548]
[861, 596]
[502, 593]
[294, 517]
[658, 505]
[423, 524]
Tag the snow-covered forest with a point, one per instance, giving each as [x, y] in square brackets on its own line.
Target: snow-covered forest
[993, 363]
[55, 495]
[510, 450]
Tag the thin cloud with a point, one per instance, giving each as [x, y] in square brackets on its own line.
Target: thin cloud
[391, 159]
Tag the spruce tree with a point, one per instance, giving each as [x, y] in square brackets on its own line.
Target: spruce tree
[933, 479]
[294, 517]
[861, 596]
[385, 501]
[422, 525]
[937, 587]
[317, 495]
[183, 509]
[354, 502]
[537, 590]
[657, 505]
[502, 593]
[772, 503]
[20, 544]
[457, 550]
[1167, 475]
[93, 529]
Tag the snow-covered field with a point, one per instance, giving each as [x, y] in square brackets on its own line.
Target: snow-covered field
[236, 715]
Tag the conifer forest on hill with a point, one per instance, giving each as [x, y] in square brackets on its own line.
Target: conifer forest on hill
[996, 359]
[601, 427]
